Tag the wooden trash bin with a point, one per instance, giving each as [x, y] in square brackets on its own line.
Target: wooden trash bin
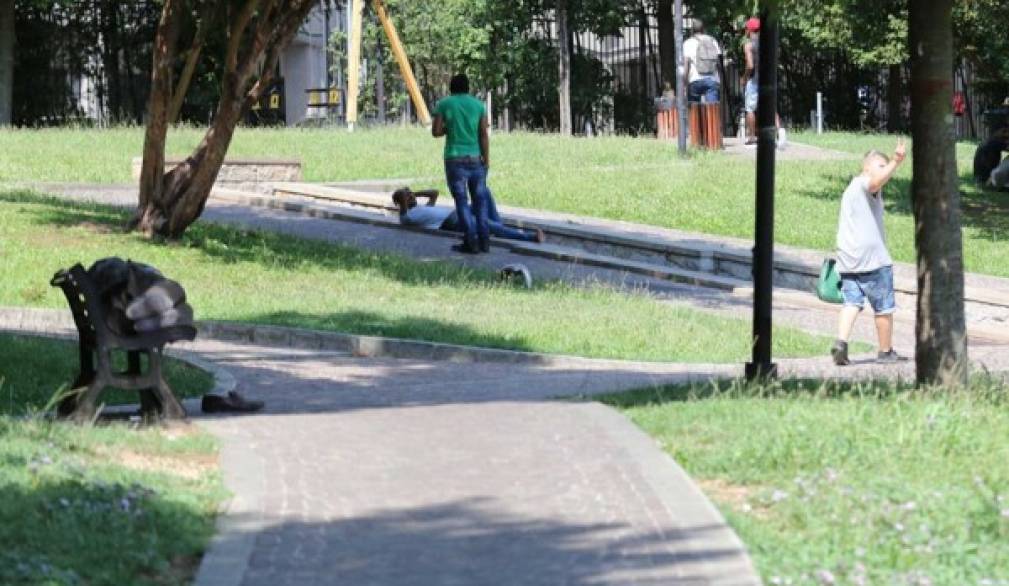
[665, 124]
[712, 122]
[695, 122]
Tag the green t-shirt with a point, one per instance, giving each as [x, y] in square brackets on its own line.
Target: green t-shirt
[461, 113]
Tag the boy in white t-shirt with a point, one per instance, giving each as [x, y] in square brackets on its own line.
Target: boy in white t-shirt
[863, 260]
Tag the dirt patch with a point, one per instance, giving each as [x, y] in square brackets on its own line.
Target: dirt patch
[188, 466]
[737, 497]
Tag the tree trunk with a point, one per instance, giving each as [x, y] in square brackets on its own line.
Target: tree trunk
[170, 202]
[895, 99]
[207, 16]
[667, 43]
[185, 78]
[564, 67]
[941, 340]
[150, 215]
[6, 62]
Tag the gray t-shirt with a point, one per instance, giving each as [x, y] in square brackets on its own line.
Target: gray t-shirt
[431, 217]
[861, 238]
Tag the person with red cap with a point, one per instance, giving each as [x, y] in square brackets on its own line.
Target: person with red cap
[751, 54]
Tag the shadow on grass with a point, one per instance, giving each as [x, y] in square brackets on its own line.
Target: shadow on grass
[33, 369]
[232, 245]
[478, 541]
[413, 328]
[740, 389]
[984, 210]
[88, 531]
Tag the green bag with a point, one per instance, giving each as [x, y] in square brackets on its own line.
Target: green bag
[828, 286]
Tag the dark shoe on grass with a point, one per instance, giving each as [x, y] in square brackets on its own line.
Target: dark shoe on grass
[465, 249]
[839, 352]
[890, 357]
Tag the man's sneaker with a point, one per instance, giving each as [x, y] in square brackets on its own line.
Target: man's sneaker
[889, 357]
[839, 352]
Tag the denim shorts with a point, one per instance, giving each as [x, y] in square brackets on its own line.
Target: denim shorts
[750, 96]
[876, 286]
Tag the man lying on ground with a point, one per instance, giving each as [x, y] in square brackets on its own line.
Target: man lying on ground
[445, 218]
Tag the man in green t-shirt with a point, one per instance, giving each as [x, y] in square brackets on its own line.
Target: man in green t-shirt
[462, 119]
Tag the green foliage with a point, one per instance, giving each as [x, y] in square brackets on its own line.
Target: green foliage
[979, 26]
[872, 33]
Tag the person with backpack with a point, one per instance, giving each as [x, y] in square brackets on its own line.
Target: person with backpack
[703, 63]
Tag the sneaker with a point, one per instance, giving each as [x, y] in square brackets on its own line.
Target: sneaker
[465, 249]
[889, 357]
[839, 352]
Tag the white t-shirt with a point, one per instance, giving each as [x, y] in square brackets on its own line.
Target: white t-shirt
[690, 52]
[861, 238]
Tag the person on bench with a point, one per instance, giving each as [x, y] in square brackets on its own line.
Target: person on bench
[445, 218]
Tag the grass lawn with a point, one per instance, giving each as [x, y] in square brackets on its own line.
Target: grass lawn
[265, 278]
[33, 369]
[108, 505]
[634, 179]
[868, 485]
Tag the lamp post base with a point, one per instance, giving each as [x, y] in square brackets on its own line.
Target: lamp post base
[756, 371]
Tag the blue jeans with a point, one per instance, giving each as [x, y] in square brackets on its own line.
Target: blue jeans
[470, 175]
[494, 222]
[706, 87]
[876, 286]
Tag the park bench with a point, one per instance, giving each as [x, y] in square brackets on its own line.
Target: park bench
[97, 343]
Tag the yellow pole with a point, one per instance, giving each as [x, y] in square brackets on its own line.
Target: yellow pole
[354, 61]
[404, 63]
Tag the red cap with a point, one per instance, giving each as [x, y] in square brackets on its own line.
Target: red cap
[753, 25]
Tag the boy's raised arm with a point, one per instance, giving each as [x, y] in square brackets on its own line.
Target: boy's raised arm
[879, 178]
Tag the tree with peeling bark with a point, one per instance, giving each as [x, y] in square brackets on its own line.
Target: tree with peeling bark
[564, 67]
[941, 338]
[257, 32]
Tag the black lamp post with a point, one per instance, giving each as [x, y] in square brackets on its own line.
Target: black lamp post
[681, 89]
[763, 250]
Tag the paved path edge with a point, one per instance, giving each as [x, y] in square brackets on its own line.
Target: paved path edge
[683, 499]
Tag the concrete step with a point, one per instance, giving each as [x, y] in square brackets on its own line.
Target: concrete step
[986, 298]
[378, 216]
[371, 211]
